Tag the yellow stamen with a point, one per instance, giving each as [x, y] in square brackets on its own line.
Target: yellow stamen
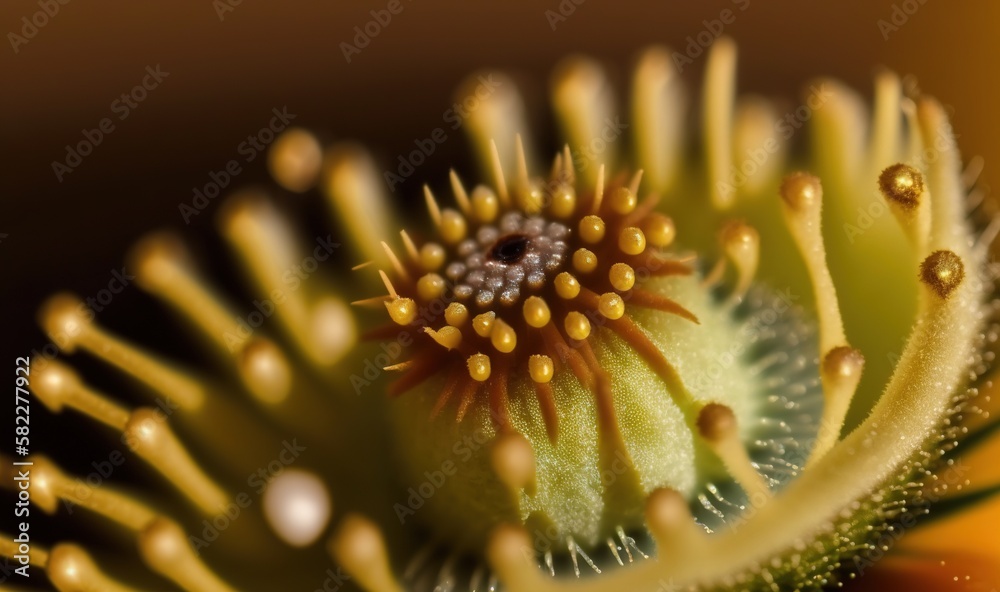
[448, 337]
[717, 427]
[742, 245]
[485, 204]
[622, 276]
[942, 272]
[903, 188]
[430, 286]
[659, 230]
[584, 260]
[70, 569]
[354, 187]
[622, 201]
[267, 245]
[567, 286]
[359, 547]
[540, 368]
[563, 201]
[592, 229]
[163, 268]
[536, 312]
[611, 305]
[584, 101]
[479, 367]
[499, 113]
[503, 337]
[632, 241]
[482, 324]
[165, 549]
[453, 226]
[64, 323]
[671, 524]
[57, 385]
[513, 461]
[402, 311]
[840, 374]
[885, 139]
[50, 486]
[754, 123]
[266, 371]
[148, 435]
[577, 325]
[38, 557]
[658, 108]
[456, 314]
[295, 160]
[333, 329]
[718, 99]
[802, 201]
[505, 553]
[432, 256]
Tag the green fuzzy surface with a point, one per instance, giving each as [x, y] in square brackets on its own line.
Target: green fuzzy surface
[579, 494]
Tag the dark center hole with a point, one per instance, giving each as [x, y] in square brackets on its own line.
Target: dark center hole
[509, 249]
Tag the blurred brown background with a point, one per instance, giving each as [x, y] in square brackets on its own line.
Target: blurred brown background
[227, 74]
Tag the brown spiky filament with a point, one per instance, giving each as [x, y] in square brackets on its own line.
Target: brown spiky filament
[526, 275]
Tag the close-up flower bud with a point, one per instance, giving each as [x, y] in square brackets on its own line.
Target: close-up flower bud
[424, 296]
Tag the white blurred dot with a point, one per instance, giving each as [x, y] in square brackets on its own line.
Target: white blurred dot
[297, 506]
